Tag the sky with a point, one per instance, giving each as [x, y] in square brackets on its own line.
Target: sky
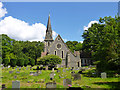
[28, 20]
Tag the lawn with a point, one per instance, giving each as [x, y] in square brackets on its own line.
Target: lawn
[29, 81]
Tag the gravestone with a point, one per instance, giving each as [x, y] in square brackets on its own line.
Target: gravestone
[35, 74]
[67, 82]
[103, 75]
[39, 71]
[15, 77]
[17, 72]
[23, 68]
[52, 69]
[77, 76]
[64, 70]
[46, 68]
[19, 68]
[51, 75]
[58, 71]
[31, 73]
[15, 84]
[30, 68]
[10, 72]
[26, 68]
[51, 85]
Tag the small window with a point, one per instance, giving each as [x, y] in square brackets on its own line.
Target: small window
[48, 43]
[62, 54]
[55, 52]
[58, 39]
[78, 64]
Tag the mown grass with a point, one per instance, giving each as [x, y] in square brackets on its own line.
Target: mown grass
[86, 80]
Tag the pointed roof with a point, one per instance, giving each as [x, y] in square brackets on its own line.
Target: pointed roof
[48, 35]
[49, 24]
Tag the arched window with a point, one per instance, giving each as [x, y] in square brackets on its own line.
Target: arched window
[55, 52]
[62, 54]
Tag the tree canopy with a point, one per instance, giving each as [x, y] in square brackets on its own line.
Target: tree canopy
[103, 41]
[20, 53]
[50, 60]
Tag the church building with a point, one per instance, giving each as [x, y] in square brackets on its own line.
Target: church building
[59, 48]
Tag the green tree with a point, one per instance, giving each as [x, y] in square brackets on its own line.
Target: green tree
[32, 62]
[50, 60]
[102, 40]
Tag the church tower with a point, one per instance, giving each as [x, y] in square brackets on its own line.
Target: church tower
[48, 37]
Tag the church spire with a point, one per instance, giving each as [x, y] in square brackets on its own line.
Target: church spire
[48, 35]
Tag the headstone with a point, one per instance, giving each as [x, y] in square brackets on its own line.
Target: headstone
[23, 68]
[31, 73]
[77, 76]
[46, 68]
[35, 74]
[26, 68]
[19, 68]
[52, 69]
[51, 75]
[58, 71]
[39, 71]
[30, 68]
[8, 66]
[51, 85]
[15, 84]
[67, 82]
[15, 77]
[103, 75]
[17, 72]
[64, 70]
[10, 72]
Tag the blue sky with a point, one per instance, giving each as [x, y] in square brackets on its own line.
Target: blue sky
[67, 19]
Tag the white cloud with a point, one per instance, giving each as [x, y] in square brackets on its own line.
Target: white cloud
[20, 30]
[90, 24]
[3, 11]
[81, 41]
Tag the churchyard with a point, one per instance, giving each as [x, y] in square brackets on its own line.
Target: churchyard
[85, 77]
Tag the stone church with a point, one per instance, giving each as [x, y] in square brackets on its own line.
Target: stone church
[59, 48]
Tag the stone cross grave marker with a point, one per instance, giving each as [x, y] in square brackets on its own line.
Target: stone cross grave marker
[15, 84]
[103, 75]
[67, 82]
[51, 85]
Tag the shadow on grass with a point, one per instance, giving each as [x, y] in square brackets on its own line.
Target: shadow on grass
[112, 85]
